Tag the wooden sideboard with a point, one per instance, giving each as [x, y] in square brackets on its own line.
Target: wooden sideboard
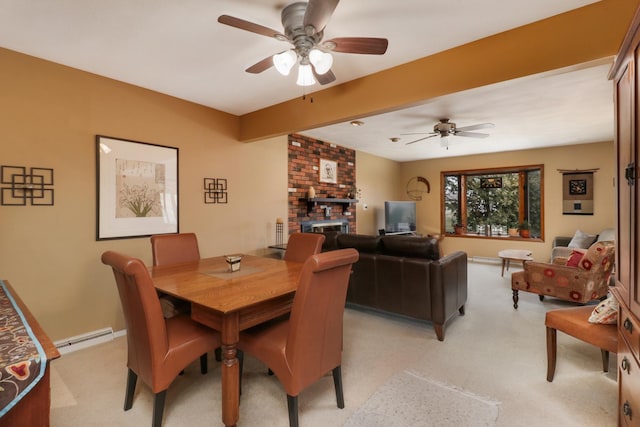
[33, 409]
[626, 79]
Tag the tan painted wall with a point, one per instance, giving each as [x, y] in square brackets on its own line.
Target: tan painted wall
[379, 180]
[49, 116]
[587, 156]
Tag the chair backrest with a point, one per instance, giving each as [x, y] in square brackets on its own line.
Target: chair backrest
[171, 249]
[146, 330]
[314, 342]
[302, 245]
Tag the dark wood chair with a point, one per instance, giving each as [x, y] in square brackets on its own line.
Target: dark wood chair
[301, 349]
[301, 246]
[158, 349]
[574, 321]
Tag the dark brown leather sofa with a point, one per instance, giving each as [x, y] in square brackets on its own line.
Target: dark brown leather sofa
[404, 275]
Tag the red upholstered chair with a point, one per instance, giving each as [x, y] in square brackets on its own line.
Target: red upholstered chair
[588, 281]
[303, 348]
[302, 245]
[158, 349]
[574, 321]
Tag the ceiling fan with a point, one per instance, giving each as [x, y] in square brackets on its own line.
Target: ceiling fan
[304, 24]
[446, 128]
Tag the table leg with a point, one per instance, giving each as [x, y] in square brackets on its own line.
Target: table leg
[503, 264]
[230, 372]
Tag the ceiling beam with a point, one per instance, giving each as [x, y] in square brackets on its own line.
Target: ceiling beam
[575, 37]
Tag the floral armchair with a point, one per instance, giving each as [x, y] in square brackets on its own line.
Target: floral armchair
[588, 280]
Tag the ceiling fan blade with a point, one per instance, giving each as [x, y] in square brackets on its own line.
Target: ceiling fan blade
[325, 78]
[318, 13]
[250, 26]
[261, 66]
[474, 127]
[418, 133]
[365, 45]
[421, 139]
[471, 134]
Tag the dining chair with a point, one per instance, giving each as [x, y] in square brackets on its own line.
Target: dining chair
[301, 246]
[301, 349]
[158, 349]
[168, 249]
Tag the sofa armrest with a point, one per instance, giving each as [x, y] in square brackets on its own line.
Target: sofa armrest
[561, 241]
[448, 281]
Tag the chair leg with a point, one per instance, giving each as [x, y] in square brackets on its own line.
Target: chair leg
[605, 360]
[515, 299]
[132, 378]
[337, 382]
[541, 297]
[292, 404]
[158, 408]
[461, 310]
[204, 366]
[218, 353]
[269, 371]
[551, 353]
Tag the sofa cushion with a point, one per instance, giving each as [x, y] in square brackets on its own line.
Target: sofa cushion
[606, 235]
[409, 246]
[582, 240]
[360, 242]
[606, 312]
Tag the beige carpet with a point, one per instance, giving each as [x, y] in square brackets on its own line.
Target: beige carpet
[408, 399]
[493, 351]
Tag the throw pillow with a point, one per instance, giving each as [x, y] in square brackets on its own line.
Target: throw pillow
[608, 234]
[582, 240]
[606, 312]
[574, 258]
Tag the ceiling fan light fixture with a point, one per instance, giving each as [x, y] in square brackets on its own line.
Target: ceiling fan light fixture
[305, 75]
[285, 61]
[444, 141]
[321, 61]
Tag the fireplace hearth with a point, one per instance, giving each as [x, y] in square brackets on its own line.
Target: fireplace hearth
[341, 225]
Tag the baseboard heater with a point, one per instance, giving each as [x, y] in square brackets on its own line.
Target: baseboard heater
[89, 339]
[486, 259]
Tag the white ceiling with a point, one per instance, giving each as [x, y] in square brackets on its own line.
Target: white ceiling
[178, 48]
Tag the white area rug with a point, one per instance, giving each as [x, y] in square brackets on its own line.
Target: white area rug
[408, 399]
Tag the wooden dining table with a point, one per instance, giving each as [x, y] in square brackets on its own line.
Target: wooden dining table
[229, 302]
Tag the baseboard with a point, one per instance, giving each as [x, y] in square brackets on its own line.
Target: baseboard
[78, 342]
[486, 260]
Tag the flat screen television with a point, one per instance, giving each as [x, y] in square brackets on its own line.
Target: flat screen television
[399, 217]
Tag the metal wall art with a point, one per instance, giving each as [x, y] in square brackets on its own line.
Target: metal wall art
[215, 190]
[19, 186]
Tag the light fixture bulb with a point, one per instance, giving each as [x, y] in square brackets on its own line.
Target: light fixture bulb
[284, 61]
[322, 61]
[444, 141]
[305, 75]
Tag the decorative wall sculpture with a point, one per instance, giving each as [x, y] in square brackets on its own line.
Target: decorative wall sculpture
[19, 186]
[577, 192]
[215, 190]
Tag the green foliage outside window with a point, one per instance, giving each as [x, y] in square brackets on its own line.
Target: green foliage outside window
[491, 200]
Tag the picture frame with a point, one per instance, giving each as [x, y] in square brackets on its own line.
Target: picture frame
[577, 193]
[136, 188]
[328, 171]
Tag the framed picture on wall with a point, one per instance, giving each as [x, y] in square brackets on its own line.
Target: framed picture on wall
[577, 193]
[328, 171]
[137, 188]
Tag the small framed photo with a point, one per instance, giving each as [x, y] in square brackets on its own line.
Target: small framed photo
[328, 171]
[137, 188]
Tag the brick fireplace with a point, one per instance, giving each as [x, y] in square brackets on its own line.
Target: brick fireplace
[304, 164]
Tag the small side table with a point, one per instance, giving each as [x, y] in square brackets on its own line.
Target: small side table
[508, 255]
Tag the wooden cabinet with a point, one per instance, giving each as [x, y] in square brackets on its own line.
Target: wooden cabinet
[627, 144]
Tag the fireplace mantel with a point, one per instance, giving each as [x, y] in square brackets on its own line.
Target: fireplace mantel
[313, 202]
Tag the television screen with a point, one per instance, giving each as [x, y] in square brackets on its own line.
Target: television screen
[399, 216]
